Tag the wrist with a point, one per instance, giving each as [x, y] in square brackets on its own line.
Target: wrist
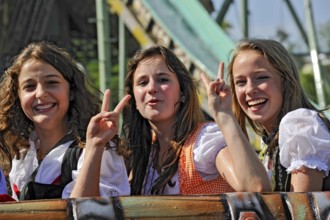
[223, 117]
[94, 147]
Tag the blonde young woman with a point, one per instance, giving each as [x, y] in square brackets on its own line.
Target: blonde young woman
[295, 135]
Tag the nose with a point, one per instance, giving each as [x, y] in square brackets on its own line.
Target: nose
[152, 87]
[40, 91]
[251, 87]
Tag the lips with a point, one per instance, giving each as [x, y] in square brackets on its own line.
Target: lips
[153, 101]
[43, 107]
[256, 102]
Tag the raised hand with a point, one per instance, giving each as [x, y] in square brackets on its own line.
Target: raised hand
[101, 129]
[104, 126]
[218, 93]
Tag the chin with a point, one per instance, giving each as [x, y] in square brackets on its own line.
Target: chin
[256, 118]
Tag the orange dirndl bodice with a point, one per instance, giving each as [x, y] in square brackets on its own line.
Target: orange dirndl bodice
[189, 179]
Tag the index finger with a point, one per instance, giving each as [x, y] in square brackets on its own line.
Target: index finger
[220, 70]
[106, 101]
[122, 104]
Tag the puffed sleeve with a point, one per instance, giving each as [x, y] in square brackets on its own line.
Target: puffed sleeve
[304, 140]
[113, 176]
[208, 144]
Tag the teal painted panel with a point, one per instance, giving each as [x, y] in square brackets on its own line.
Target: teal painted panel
[205, 27]
[190, 26]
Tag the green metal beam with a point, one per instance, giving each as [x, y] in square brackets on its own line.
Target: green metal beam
[297, 21]
[223, 11]
[245, 18]
[313, 47]
[103, 42]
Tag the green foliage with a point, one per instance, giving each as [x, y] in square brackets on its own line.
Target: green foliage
[114, 84]
[93, 73]
[308, 83]
[111, 81]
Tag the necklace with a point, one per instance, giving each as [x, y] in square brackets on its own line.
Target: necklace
[268, 138]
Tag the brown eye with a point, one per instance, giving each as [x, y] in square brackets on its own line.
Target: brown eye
[263, 77]
[52, 82]
[28, 86]
[142, 83]
[240, 82]
[163, 80]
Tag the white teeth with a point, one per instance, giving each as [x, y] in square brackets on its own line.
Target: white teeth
[41, 107]
[256, 102]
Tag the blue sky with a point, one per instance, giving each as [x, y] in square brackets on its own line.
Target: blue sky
[266, 16]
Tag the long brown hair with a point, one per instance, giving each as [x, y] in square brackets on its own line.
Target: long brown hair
[137, 131]
[15, 127]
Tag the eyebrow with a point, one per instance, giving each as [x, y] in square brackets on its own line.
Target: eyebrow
[45, 77]
[164, 73]
[54, 75]
[157, 74]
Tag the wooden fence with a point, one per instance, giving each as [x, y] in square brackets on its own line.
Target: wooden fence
[315, 205]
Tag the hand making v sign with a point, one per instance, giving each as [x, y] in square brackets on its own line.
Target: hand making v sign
[219, 94]
[101, 129]
[237, 162]
[104, 126]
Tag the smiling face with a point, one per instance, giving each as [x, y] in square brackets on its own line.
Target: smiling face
[156, 90]
[258, 88]
[44, 95]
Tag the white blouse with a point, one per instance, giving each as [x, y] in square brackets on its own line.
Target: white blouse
[113, 179]
[208, 144]
[304, 140]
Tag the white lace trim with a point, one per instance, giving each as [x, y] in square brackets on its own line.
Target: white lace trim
[312, 164]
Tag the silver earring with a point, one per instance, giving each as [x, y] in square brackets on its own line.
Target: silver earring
[183, 99]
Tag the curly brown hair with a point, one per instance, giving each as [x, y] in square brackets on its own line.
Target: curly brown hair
[15, 127]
